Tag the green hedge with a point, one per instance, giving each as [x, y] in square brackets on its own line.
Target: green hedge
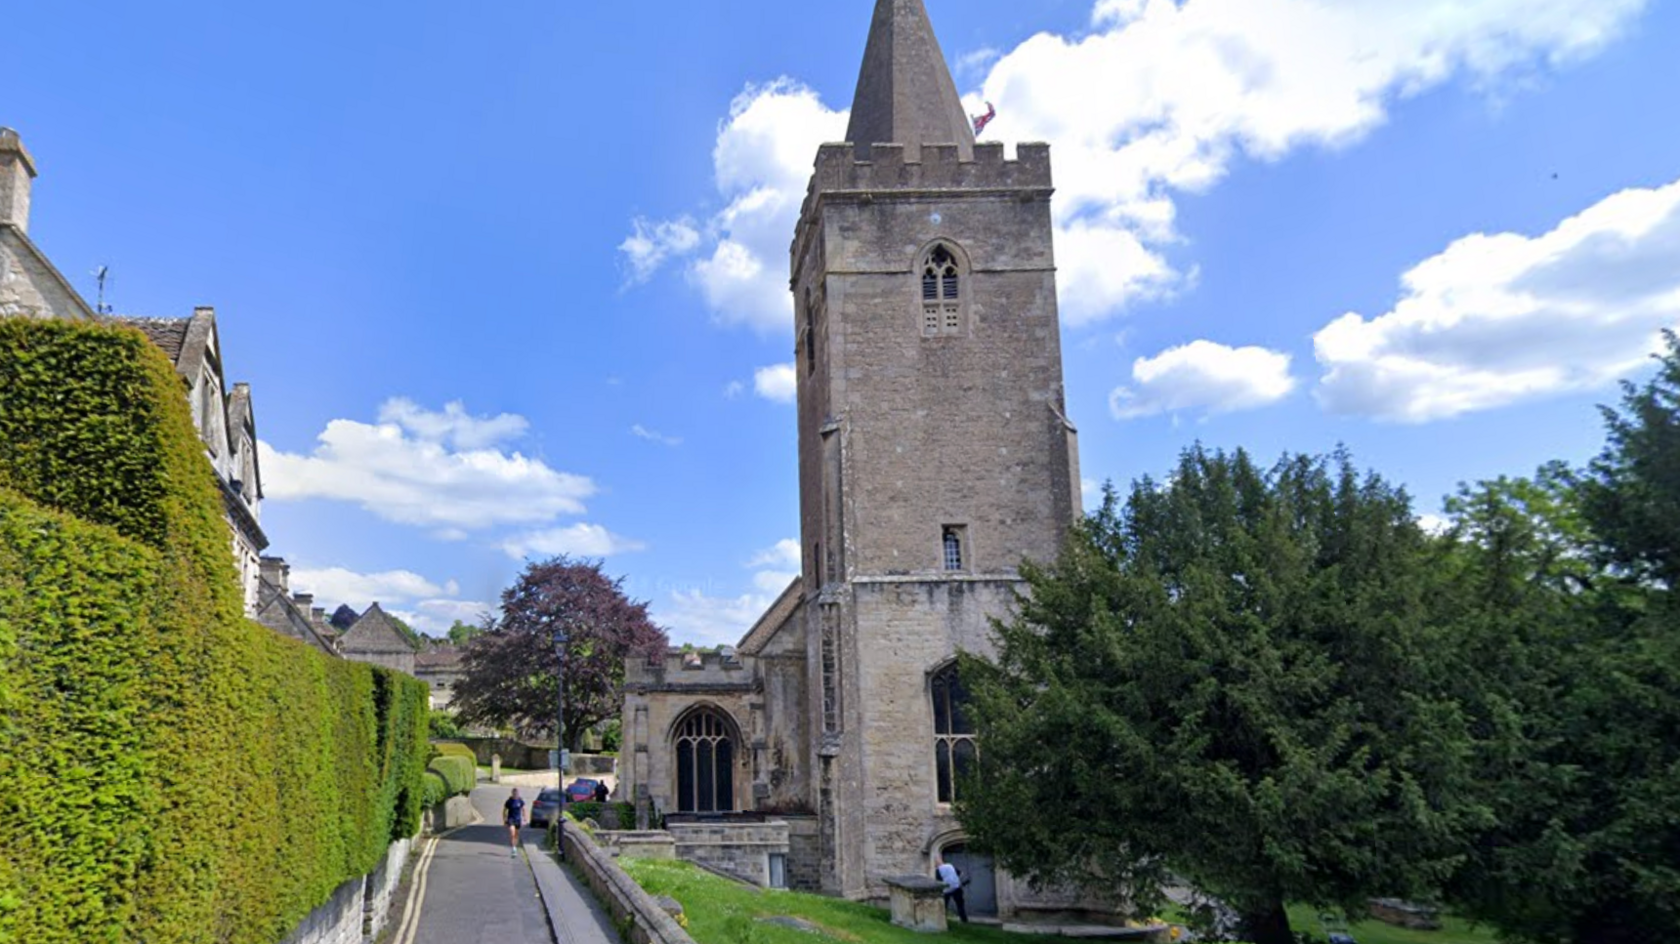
[454, 749]
[169, 771]
[460, 774]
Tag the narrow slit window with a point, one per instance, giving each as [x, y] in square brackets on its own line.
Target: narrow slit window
[952, 542]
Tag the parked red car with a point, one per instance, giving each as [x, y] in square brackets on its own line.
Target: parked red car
[581, 790]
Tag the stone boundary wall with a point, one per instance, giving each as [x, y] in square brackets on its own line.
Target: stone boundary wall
[532, 756]
[637, 915]
[356, 912]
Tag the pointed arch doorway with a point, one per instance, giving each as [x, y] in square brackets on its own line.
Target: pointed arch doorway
[980, 895]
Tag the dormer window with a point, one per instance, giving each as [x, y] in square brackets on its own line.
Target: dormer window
[941, 292]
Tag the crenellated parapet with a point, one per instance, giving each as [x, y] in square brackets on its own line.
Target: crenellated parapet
[839, 174]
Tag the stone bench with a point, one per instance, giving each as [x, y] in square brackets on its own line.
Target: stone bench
[918, 903]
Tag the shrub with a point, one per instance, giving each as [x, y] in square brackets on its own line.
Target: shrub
[453, 749]
[172, 772]
[459, 774]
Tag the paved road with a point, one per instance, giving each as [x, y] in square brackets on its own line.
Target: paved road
[477, 892]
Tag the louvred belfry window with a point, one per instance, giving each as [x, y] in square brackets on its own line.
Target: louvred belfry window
[941, 292]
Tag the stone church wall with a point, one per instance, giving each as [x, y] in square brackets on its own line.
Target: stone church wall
[657, 696]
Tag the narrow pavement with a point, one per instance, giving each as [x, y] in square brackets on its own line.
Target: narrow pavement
[474, 890]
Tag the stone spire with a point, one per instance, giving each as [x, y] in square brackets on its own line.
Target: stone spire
[904, 92]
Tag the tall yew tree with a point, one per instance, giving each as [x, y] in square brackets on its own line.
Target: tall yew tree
[1229, 678]
[1586, 848]
[509, 672]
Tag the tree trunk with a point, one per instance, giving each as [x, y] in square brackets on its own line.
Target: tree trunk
[1268, 924]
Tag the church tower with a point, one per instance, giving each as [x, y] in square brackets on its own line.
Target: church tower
[934, 449]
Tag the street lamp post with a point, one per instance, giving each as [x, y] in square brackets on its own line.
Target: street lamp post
[560, 736]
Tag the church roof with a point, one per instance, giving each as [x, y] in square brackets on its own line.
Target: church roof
[374, 632]
[904, 92]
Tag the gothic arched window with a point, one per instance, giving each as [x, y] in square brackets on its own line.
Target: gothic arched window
[705, 749]
[953, 734]
[942, 297]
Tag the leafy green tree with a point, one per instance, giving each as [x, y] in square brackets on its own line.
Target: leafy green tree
[1229, 678]
[462, 633]
[1586, 847]
[509, 672]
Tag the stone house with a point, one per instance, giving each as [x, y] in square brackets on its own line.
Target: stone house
[228, 428]
[439, 666]
[289, 613]
[31, 287]
[375, 638]
[935, 455]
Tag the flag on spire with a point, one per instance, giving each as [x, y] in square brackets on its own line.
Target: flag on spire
[981, 121]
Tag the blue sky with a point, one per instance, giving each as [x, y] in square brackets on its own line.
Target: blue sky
[510, 280]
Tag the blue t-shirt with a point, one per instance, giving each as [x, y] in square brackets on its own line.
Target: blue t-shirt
[513, 811]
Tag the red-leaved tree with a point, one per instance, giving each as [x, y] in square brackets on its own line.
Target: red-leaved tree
[510, 671]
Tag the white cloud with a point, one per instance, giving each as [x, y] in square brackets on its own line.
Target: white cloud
[733, 389]
[1494, 320]
[425, 605]
[653, 435]
[1163, 96]
[1157, 100]
[697, 617]
[454, 426]
[647, 248]
[347, 586]
[434, 617]
[777, 382]
[693, 616]
[1203, 377]
[763, 156]
[424, 468]
[783, 554]
[578, 540]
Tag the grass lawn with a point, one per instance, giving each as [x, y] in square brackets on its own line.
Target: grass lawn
[1453, 930]
[723, 912]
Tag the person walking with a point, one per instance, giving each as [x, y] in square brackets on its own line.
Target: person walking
[601, 791]
[954, 882]
[513, 814]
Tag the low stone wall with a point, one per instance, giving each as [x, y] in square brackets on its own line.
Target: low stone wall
[740, 849]
[453, 812]
[339, 921]
[639, 917]
[382, 884]
[356, 912]
[637, 844]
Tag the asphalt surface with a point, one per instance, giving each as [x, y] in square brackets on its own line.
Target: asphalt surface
[478, 892]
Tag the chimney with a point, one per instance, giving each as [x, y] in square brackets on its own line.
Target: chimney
[304, 601]
[276, 571]
[17, 169]
[318, 615]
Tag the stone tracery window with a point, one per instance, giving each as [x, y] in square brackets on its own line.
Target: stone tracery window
[954, 751]
[705, 749]
[942, 298]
